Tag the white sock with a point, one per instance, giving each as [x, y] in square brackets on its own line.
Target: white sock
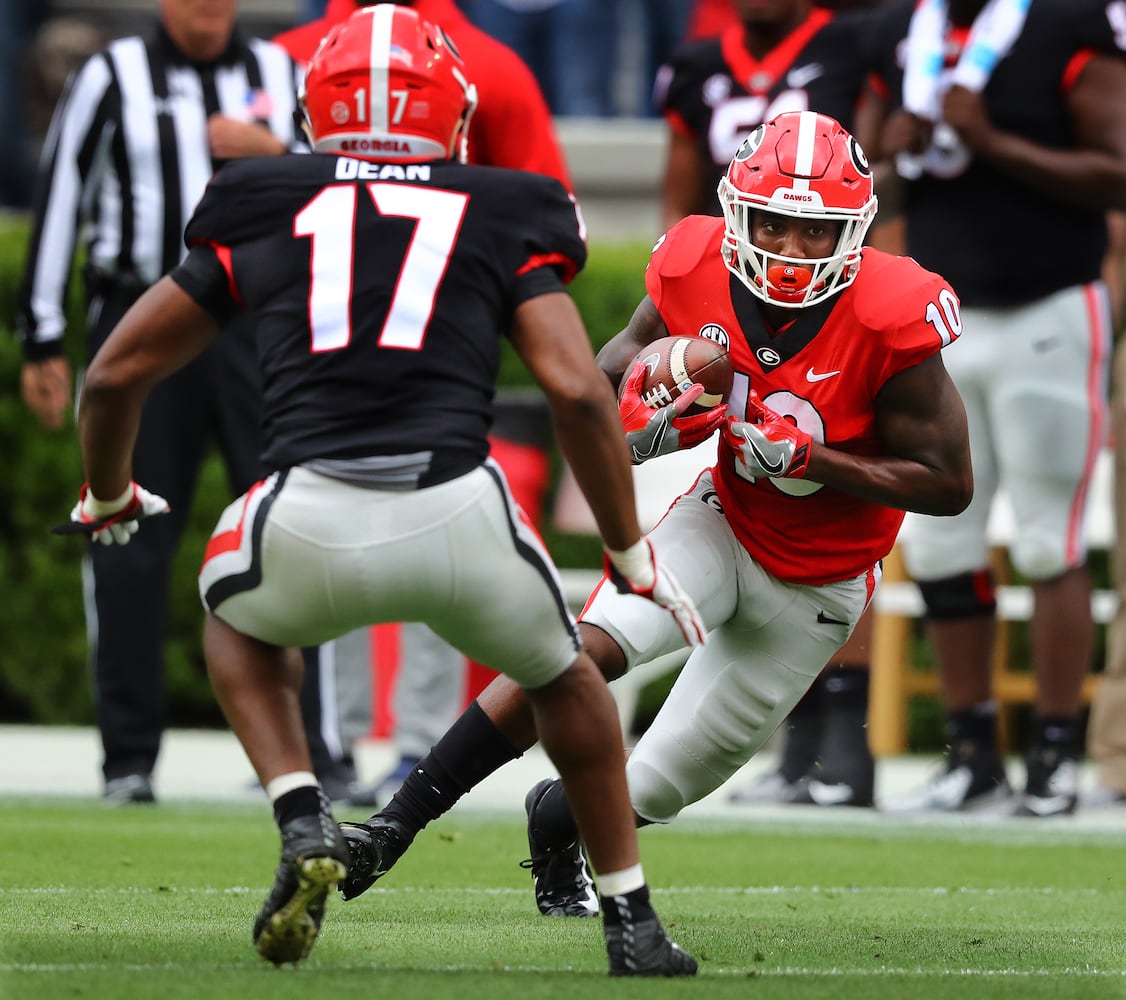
[283, 783]
[619, 883]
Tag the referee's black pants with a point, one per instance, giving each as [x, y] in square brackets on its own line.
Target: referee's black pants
[216, 398]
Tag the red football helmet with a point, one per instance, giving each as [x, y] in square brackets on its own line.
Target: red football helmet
[803, 165]
[387, 85]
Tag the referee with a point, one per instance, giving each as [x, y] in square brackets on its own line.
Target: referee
[139, 131]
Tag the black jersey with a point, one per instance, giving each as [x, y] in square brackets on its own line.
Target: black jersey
[715, 91]
[381, 293]
[998, 242]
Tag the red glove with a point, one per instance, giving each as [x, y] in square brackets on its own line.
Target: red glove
[651, 432]
[768, 444]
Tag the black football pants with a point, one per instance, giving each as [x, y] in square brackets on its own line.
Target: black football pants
[214, 399]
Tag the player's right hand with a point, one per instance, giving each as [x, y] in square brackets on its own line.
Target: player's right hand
[110, 521]
[651, 432]
[636, 571]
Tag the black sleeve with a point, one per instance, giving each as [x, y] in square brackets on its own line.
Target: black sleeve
[1093, 28]
[204, 278]
[541, 281]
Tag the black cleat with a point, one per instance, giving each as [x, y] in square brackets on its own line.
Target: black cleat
[1052, 786]
[564, 887]
[313, 859]
[129, 789]
[373, 848]
[642, 949]
[972, 780]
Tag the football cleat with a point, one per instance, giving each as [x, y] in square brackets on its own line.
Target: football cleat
[314, 858]
[128, 789]
[564, 887]
[1052, 784]
[641, 948]
[834, 793]
[771, 788]
[972, 781]
[373, 848]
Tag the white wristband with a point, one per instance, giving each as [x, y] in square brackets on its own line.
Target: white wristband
[103, 508]
[636, 564]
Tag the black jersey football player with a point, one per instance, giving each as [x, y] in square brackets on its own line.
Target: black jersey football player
[780, 55]
[383, 273]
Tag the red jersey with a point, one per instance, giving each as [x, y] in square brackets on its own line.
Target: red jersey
[512, 125]
[824, 370]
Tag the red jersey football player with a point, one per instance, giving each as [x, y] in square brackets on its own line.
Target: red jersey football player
[771, 56]
[379, 280]
[842, 417]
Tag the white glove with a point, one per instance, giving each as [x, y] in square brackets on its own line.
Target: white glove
[636, 571]
[109, 521]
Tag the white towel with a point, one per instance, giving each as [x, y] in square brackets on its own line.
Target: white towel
[925, 82]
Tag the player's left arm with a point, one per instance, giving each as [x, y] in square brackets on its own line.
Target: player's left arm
[1092, 173]
[162, 332]
[926, 462]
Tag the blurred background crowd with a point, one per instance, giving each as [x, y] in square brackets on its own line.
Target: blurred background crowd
[610, 74]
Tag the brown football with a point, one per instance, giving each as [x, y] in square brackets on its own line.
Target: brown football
[672, 364]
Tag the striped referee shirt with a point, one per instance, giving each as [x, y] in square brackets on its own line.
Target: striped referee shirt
[127, 158]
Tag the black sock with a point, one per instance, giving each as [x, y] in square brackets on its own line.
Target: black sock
[1055, 732]
[555, 823]
[471, 750]
[973, 728]
[844, 688]
[844, 755]
[305, 801]
[632, 907]
[803, 735]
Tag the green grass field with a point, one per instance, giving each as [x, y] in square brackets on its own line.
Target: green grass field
[133, 903]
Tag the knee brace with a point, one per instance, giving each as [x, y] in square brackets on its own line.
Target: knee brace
[654, 798]
[967, 595]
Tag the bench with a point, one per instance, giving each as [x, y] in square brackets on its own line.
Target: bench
[898, 606]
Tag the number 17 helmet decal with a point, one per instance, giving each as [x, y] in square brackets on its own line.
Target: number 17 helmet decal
[388, 85]
[806, 166]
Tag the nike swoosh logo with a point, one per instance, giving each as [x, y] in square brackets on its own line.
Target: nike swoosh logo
[812, 376]
[800, 76]
[830, 795]
[824, 619]
[773, 468]
[655, 443]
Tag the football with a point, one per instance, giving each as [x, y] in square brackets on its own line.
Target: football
[672, 364]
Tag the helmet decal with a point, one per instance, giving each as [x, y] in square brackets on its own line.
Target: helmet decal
[859, 157]
[750, 145]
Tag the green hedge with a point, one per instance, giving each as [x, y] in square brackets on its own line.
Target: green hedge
[44, 677]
